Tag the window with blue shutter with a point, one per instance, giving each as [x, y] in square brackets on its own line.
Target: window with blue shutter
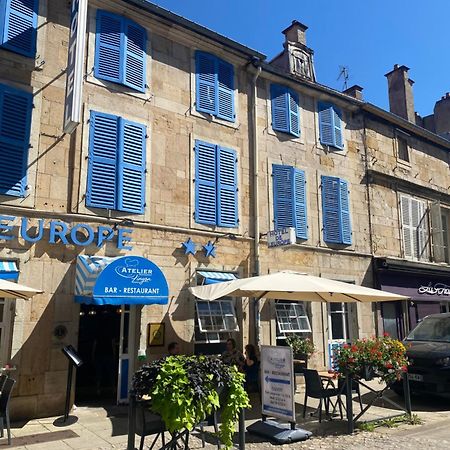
[336, 211]
[116, 168]
[18, 25]
[330, 126]
[285, 110]
[15, 122]
[120, 51]
[289, 199]
[214, 86]
[216, 200]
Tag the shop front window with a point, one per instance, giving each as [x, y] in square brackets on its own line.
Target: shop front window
[291, 318]
[215, 322]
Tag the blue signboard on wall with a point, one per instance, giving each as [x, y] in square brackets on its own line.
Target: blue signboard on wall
[131, 280]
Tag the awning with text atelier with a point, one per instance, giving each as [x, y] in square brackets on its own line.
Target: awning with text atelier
[124, 280]
[216, 277]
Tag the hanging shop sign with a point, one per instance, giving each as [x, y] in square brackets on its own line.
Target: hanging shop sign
[283, 236]
[59, 232]
[75, 61]
[131, 280]
[277, 382]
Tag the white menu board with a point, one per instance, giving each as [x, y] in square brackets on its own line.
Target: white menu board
[277, 382]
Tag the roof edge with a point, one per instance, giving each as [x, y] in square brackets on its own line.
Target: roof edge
[190, 25]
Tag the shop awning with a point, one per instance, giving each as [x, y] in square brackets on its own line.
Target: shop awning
[9, 271]
[125, 280]
[216, 277]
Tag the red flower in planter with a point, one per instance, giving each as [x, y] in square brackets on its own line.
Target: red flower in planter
[354, 348]
[389, 366]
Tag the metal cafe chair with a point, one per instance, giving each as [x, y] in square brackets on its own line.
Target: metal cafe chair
[148, 424]
[314, 388]
[5, 395]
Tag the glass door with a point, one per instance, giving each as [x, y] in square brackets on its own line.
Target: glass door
[126, 351]
[338, 329]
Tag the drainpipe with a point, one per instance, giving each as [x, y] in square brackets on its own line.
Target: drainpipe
[254, 67]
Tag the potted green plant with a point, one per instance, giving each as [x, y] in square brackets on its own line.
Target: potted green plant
[185, 390]
[302, 348]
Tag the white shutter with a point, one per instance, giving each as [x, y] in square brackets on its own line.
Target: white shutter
[423, 238]
[437, 229]
[407, 230]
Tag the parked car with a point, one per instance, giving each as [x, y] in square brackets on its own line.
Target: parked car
[428, 350]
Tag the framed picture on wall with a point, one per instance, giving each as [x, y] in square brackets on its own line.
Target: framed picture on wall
[155, 333]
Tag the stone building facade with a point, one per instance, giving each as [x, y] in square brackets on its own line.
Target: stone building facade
[267, 127]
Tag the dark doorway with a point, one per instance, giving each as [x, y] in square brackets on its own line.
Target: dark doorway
[98, 346]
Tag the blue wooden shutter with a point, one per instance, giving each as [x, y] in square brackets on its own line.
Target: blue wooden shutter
[20, 25]
[227, 201]
[205, 183]
[338, 138]
[109, 45]
[331, 213]
[283, 196]
[131, 165]
[206, 83]
[301, 221]
[294, 115]
[225, 91]
[134, 55]
[15, 121]
[326, 124]
[102, 167]
[280, 108]
[346, 228]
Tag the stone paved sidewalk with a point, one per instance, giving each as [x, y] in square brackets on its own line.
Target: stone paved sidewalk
[100, 428]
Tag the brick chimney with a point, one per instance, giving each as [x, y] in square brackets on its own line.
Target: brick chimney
[354, 91]
[296, 58]
[442, 116]
[401, 99]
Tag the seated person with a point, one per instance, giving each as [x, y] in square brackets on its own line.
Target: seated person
[232, 356]
[174, 349]
[251, 369]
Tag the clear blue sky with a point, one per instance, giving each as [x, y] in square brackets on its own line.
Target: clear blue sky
[367, 36]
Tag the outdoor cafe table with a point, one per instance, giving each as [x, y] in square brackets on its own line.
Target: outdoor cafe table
[350, 381]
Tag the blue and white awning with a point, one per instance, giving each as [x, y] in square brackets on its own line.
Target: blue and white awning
[9, 271]
[125, 280]
[216, 277]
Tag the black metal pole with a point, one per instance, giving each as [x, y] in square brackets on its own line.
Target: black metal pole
[68, 391]
[242, 430]
[349, 403]
[131, 421]
[407, 394]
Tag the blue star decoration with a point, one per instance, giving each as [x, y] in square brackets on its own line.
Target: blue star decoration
[210, 249]
[189, 247]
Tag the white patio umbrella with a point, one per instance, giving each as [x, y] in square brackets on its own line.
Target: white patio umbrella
[288, 285]
[9, 289]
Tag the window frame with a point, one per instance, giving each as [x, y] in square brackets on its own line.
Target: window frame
[289, 94]
[295, 306]
[336, 111]
[218, 186]
[415, 234]
[119, 163]
[345, 315]
[124, 22]
[223, 315]
[217, 61]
